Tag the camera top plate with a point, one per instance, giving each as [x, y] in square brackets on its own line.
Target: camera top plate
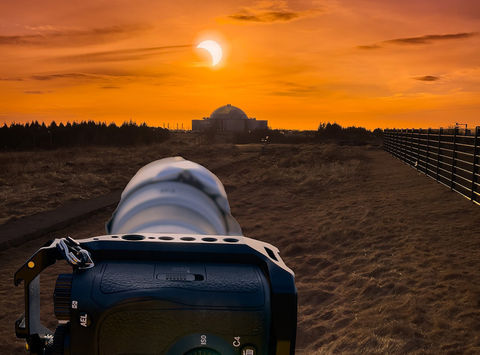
[187, 243]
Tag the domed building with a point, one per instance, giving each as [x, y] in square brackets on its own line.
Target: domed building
[228, 118]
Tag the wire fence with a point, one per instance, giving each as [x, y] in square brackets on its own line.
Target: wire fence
[450, 156]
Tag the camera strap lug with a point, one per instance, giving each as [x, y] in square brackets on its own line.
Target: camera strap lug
[74, 254]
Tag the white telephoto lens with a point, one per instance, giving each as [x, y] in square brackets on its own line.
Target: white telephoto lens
[174, 195]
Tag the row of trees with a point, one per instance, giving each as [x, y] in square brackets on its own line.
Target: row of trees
[40, 136]
[349, 134]
[327, 132]
[35, 135]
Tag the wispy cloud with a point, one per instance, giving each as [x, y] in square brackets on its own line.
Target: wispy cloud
[427, 39]
[11, 79]
[372, 46]
[266, 16]
[71, 37]
[427, 78]
[34, 92]
[64, 76]
[269, 11]
[106, 79]
[420, 40]
[295, 89]
[124, 54]
[78, 76]
[110, 87]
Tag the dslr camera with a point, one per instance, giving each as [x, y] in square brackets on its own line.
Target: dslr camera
[174, 275]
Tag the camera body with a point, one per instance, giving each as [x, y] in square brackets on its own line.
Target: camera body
[174, 275]
[166, 294]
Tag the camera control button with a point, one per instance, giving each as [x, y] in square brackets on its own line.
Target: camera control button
[248, 350]
[84, 319]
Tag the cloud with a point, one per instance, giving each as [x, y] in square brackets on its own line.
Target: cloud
[427, 78]
[295, 89]
[70, 37]
[123, 54]
[34, 92]
[64, 76]
[45, 28]
[109, 87]
[372, 46]
[11, 79]
[430, 38]
[269, 11]
[267, 16]
[420, 40]
[106, 78]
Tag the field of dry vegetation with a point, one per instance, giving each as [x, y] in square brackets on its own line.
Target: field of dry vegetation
[386, 260]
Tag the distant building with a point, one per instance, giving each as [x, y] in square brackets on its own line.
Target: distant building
[228, 118]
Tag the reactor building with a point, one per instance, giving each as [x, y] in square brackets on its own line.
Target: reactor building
[228, 118]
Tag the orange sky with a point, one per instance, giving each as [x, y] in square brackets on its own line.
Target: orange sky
[367, 63]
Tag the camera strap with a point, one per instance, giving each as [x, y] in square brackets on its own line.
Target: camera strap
[74, 254]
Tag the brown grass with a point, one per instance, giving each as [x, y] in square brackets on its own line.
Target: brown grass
[386, 260]
[31, 183]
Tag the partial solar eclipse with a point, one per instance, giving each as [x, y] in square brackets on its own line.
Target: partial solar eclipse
[213, 48]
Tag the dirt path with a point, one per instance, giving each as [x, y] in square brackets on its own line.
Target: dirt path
[386, 260]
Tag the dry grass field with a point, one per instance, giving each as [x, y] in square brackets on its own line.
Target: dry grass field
[386, 260]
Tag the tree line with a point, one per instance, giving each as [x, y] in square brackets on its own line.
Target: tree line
[40, 136]
[348, 134]
[326, 133]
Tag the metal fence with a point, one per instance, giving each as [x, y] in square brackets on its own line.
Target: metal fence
[450, 156]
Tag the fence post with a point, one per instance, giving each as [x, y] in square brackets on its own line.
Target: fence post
[400, 145]
[384, 140]
[392, 139]
[438, 151]
[452, 176]
[397, 142]
[428, 151]
[418, 149]
[406, 145]
[411, 144]
[387, 137]
[474, 177]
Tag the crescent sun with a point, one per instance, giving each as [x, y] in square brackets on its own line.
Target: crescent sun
[213, 48]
